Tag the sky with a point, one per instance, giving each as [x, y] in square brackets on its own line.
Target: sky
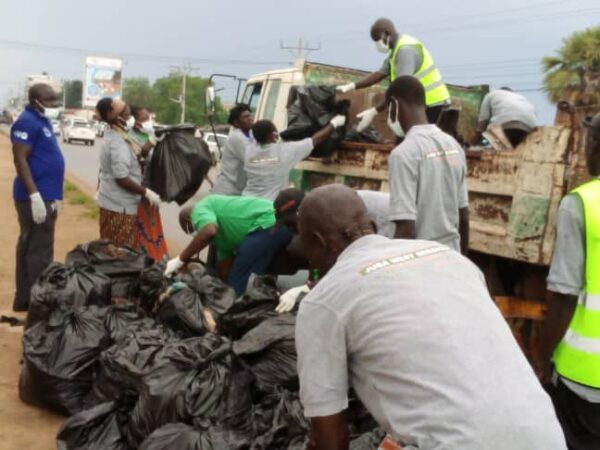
[472, 42]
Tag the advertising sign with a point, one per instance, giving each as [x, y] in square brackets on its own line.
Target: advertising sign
[103, 78]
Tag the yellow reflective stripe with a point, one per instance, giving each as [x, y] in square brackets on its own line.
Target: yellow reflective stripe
[577, 365]
[423, 73]
[586, 322]
[437, 84]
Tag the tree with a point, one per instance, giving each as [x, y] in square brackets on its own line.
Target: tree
[72, 93]
[574, 74]
[139, 92]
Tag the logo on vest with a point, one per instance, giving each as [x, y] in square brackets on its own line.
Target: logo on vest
[21, 135]
[47, 132]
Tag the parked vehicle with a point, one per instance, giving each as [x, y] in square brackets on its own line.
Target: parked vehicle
[78, 130]
[100, 128]
[211, 140]
[56, 127]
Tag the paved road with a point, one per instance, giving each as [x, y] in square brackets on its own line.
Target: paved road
[82, 163]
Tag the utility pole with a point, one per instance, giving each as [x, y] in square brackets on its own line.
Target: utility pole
[184, 71]
[301, 50]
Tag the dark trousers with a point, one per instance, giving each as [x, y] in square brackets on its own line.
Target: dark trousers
[255, 255]
[579, 418]
[35, 251]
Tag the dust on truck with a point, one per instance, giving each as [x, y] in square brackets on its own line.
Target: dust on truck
[513, 195]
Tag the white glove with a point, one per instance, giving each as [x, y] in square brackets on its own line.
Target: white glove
[173, 266]
[288, 300]
[345, 88]
[38, 208]
[56, 206]
[152, 197]
[366, 117]
[338, 121]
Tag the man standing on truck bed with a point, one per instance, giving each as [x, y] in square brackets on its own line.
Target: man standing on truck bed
[406, 56]
[410, 326]
[428, 170]
[570, 335]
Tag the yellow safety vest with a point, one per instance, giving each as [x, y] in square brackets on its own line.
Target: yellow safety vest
[577, 357]
[436, 92]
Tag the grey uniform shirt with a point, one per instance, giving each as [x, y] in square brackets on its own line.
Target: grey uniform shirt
[232, 179]
[268, 166]
[378, 207]
[502, 107]
[411, 327]
[408, 60]
[567, 270]
[428, 184]
[117, 161]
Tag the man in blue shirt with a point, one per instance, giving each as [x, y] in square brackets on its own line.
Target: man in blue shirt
[37, 189]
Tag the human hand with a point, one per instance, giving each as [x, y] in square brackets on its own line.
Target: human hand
[338, 121]
[366, 118]
[173, 266]
[345, 88]
[152, 197]
[38, 208]
[288, 300]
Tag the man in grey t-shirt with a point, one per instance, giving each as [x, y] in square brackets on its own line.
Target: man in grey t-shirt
[268, 161]
[410, 326]
[509, 110]
[232, 179]
[428, 171]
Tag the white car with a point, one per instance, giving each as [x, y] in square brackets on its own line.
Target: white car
[211, 140]
[56, 127]
[79, 130]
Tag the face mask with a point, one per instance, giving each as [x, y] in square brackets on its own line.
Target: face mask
[395, 125]
[147, 127]
[49, 113]
[129, 123]
[382, 46]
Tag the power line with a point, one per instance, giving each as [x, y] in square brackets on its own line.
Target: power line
[301, 50]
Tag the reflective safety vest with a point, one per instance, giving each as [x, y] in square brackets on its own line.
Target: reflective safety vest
[577, 357]
[436, 92]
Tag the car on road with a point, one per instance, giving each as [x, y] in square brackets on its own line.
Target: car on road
[56, 127]
[211, 140]
[6, 117]
[78, 130]
[100, 128]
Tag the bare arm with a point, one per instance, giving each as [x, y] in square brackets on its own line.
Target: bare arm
[329, 433]
[370, 80]
[321, 135]
[200, 241]
[20, 154]
[405, 229]
[561, 308]
[463, 229]
[129, 185]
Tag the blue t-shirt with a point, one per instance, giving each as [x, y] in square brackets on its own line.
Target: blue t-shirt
[45, 161]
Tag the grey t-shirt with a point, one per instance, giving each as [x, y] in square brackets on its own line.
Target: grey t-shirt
[378, 207]
[411, 327]
[232, 178]
[408, 60]
[428, 184]
[117, 161]
[501, 107]
[567, 270]
[268, 166]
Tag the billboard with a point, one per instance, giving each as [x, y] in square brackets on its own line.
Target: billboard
[103, 78]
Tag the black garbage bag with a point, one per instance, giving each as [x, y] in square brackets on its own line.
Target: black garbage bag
[152, 283]
[129, 359]
[257, 304]
[280, 422]
[61, 287]
[183, 312]
[120, 317]
[60, 361]
[122, 265]
[179, 164]
[269, 350]
[369, 134]
[194, 381]
[97, 428]
[215, 294]
[368, 441]
[310, 108]
[185, 437]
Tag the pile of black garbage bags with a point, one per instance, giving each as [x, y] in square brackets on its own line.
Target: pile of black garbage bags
[140, 362]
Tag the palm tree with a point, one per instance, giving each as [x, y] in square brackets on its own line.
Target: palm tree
[574, 74]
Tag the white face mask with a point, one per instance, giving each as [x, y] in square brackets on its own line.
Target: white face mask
[129, 123]
[382, 45]
[395, 125]
[49, 113]
[148, 127]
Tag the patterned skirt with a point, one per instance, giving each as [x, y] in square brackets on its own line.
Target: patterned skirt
[149, 232]
[118, 228]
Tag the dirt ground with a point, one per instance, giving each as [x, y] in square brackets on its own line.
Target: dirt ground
[21, 426]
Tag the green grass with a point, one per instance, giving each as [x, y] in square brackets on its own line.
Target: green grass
[74, 196]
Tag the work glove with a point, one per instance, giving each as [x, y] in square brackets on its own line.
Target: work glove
[338, 121]
[56, 206]
[152, 197]
[38, 208]
[345, 88]
[153, 139]
[173, 266]
[366, 118]
[288, 300]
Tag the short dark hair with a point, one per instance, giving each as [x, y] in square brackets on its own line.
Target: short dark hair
[287, 202]
[262, 129]
[37, 90]
[407, 88]
[236, 112]
[136, 110]
[104, 106]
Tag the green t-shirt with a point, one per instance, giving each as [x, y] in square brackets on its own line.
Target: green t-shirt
[235, 217]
